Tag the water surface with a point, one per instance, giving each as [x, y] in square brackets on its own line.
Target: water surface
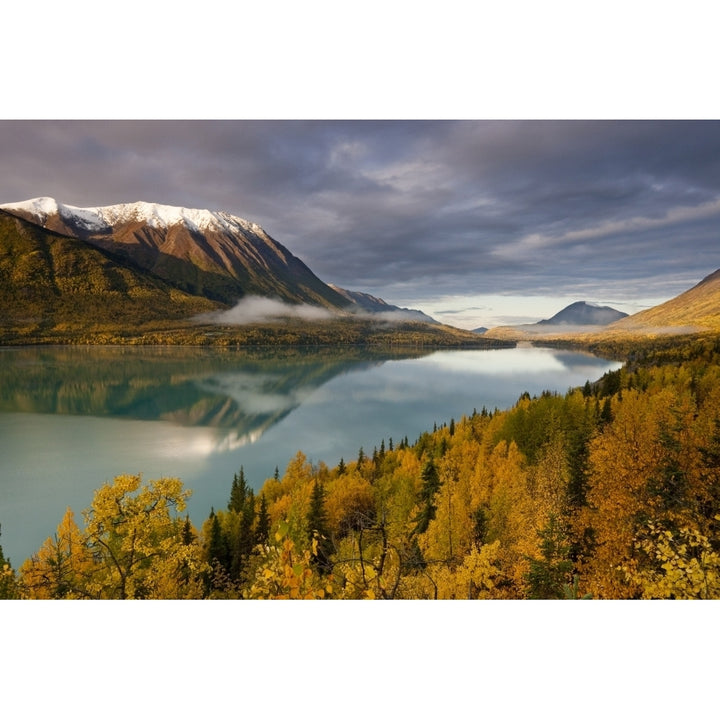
[73, 418]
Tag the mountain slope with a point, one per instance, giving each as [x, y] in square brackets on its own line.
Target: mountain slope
[694, 310]
[375, 305]
[48, 280]
[213, 254]
[582, 313]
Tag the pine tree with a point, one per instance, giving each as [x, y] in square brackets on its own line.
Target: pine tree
[188, 536]
[426, 498]
[217, 543]
[341, 467]
[548, 576]
[317, 527]
[238, 491]
[262, 528]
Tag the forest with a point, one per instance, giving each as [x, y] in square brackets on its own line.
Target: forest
[609, 491]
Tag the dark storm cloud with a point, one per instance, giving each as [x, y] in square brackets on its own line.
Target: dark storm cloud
[401, 208]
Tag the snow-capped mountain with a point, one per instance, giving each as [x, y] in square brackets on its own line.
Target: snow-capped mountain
[47, 211]
[213, 254]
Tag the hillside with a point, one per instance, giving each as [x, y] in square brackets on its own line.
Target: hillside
[52, 282]
[695, 310]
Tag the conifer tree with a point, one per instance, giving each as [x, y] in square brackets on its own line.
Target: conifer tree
[426, 498]
[317, 524]
[217, 543]
[262, 528]
[238, 491]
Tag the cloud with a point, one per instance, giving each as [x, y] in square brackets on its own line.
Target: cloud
[255, 309]
[409, 209]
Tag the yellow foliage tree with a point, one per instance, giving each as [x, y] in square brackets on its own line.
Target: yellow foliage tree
[62, 566]
[136, 540]
[286, 573]
[683, 565]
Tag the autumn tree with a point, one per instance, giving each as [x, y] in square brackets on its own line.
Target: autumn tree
[8, 581]
[135, 537]
[63, 567]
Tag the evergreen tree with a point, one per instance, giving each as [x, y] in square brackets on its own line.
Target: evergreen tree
[188, 537]
[242, 536]
[238, 491]
[548, 576]
[426, 498]
[341, 467]
[217, 543]
[317, 527]
[262, 528]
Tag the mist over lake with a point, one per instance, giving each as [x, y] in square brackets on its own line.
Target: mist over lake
[72, 418]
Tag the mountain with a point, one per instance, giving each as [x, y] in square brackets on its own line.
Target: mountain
[696, 309]
[212, 254]
[48, 280]
[480, 330]
[578, 317]
[582, 313]
[143, 273]
[375, 305]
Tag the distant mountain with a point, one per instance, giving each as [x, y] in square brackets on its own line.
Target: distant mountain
[375, 305]
[578, 317]
[480, 330]
[583, 313]
[694, 310]
[201, 252]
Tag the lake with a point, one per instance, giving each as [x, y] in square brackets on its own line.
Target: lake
[72, 418]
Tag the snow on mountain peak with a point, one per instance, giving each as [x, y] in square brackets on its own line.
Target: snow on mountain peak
[153, 214]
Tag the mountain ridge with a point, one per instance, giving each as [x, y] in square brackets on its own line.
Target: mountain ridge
[217, 255]
[60, 288]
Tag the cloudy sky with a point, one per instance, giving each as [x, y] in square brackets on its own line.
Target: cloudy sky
[476, 222]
